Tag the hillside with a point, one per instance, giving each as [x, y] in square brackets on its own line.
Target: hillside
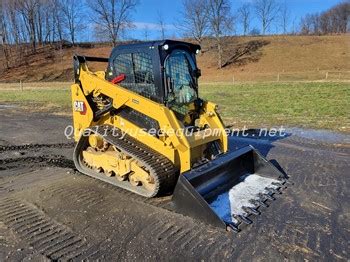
[246, 59]
[304, 57]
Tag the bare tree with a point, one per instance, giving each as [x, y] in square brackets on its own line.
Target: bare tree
[28, 10]
[306, 25]
[294, 22]
[334, 20]
[72, 16]
[244, 16]
[14, 22]
[266, 11]
[161, 24]
[47, 20]
[4, 34]
[112, 16]
[194, 21]
[220, 22]
[43, 20]
[327, 23]
[39, 22]
[284, 17]
[343, 14]
[34, 21]
[316, 23]
[57, 20]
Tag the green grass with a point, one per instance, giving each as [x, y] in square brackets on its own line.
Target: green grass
[312, 105]
[50, 99]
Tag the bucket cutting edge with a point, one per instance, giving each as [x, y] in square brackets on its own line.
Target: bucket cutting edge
[198, 192]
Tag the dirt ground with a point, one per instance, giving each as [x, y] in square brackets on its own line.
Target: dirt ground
[48, 211]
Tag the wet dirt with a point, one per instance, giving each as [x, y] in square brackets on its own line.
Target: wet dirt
[320, 135]
[48, 211]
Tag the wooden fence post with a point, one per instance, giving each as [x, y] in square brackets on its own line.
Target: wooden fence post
[326, 75]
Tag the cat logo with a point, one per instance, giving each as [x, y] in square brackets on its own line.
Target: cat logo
[79, 106]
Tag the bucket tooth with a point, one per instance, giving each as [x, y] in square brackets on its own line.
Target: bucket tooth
[277, 191]
[232, 227]
[255, 203]
[272, 190]
[269, 197]
[262, 197]
[284, 181]
[262, 203]
[251, 210]
[277, 185]
[245, 220]
[221, 191]
[237, 218]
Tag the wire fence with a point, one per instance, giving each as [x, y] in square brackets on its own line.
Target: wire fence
[22, 85]
[306, 76]
[230, 79]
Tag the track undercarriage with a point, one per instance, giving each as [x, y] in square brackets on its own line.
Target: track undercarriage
[109, 155]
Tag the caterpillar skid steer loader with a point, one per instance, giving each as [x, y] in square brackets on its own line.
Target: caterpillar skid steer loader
[140, 125]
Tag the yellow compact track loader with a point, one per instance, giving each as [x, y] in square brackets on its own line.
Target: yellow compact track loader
[140, 125]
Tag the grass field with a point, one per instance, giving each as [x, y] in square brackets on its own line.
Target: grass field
[312, 105]
[51, 100]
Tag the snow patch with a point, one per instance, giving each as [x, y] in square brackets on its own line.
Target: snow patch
[231, 202]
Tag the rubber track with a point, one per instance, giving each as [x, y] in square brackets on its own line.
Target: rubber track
[159, 166]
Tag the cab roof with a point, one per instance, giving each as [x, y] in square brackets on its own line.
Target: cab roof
[148, 44]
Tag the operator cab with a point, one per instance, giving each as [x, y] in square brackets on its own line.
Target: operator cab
[163, 71]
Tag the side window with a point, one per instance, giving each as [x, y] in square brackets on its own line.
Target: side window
[143, 68]
[138, 69]
[123, 65]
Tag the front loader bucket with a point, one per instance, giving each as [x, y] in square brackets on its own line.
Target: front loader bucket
[228, 190]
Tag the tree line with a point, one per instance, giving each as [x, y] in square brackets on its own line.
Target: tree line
[46, 21]
[39, 22]
[335, 20]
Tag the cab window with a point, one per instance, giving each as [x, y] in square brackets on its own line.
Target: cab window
[138, 70]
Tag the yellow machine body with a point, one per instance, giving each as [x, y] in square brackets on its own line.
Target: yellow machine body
[182, 149]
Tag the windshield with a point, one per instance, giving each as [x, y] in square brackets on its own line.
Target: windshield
[179, 68]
